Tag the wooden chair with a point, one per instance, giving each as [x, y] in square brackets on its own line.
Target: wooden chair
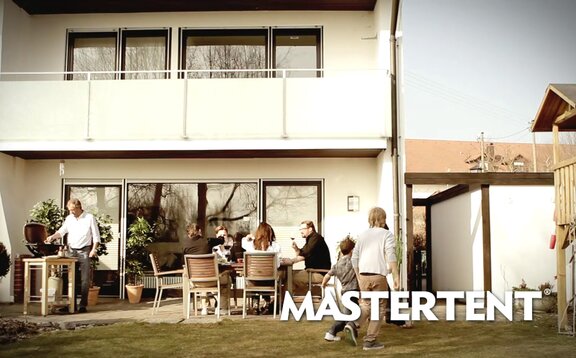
[204, 278]
[260, 275]
[162, 281]
[319, 284]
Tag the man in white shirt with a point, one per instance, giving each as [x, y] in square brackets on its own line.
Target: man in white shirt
[83, 240]
[373, 255]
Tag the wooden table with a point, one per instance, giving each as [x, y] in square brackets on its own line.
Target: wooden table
[288, 268]
[45, 264]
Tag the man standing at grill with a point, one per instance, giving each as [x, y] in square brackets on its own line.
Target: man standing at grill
[83, 240]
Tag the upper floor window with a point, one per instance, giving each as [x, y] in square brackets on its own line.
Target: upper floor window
[208, 53]
[146, 51]
[88, 52]
[224, 50]
[297, 49]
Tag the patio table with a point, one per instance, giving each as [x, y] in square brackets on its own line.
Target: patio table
[46, 264]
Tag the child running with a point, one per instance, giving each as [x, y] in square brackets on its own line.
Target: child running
[344, 272]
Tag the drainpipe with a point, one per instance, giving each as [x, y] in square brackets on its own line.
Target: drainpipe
[394, 115]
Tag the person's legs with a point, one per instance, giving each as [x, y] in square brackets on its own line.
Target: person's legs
[300, 282]
[378, 283]
[338, 326]
[84, 266]
[225, 291]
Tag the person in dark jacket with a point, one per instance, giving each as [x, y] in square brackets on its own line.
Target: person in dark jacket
[196, 244]
[314, 253]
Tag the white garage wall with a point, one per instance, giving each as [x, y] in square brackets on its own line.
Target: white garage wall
[521, 222]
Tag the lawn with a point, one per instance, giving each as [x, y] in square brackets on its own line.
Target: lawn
[269, 338]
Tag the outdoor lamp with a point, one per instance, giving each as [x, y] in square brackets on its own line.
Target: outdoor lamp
[353, 203]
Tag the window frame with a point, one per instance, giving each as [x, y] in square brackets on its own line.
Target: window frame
[71, 38]
[135, 33]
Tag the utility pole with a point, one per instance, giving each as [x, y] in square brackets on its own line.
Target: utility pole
[482, 160]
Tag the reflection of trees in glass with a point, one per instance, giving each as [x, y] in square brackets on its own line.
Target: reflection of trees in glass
[172, 206]
[226, 50]
[145, 54]
[225, 57]
[94, 54]
[288, 205]
[141, 53]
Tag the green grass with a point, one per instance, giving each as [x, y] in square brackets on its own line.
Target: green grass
[269, 338]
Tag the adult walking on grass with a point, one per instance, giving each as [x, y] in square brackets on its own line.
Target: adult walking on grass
[373, 257]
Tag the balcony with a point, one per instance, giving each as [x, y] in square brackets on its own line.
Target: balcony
[281, 105]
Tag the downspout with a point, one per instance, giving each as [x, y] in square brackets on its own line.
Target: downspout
[394, 116]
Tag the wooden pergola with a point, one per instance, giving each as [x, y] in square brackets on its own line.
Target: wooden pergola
[557, 113]
[462, 183]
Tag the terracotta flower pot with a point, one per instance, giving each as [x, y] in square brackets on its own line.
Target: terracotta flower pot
[134, 293]
[93, 293]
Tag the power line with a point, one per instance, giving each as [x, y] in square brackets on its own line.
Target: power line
[417, 81]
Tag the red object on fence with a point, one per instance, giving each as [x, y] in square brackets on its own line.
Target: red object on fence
[552, 241]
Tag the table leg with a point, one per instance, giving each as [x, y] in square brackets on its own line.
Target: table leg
[185, 296]
[44, 299]
[71, 286]
[289, 278]
[26, 286]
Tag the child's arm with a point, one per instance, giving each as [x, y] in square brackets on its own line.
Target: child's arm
[326, 279]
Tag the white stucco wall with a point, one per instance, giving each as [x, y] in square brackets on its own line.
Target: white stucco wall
[11, 188]
[521, 220]
[456, 230]
[23, 183]
[37, 43]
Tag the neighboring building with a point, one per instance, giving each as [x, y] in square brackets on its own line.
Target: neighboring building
[438, 156]
[208, 111]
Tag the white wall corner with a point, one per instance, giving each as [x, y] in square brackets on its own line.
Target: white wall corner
[6, 282]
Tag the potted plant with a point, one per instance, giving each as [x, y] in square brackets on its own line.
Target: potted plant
[140, 234]
[106, 236]
[545, 304]
[51, 217]
[4, 261]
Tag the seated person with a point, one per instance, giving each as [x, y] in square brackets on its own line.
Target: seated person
[263, 240]
[314, 253]
[223, 250]
[196, 244]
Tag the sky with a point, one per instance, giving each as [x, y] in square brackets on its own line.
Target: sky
[472, 66]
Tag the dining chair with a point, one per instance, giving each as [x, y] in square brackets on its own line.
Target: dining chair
[260, 275]
[203, 278]
[311, 284]
[164, 280]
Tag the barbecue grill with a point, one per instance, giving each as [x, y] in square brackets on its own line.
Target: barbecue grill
[35, 234]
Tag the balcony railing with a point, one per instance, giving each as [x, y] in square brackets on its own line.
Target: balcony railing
[316, 103]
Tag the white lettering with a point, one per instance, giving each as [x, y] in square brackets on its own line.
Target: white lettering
[450, 297]
[426, 308]
[505, 308]
[290, 307]
[351, 306]
[527, 296]
[374, 297]
[472, 305]
[396, 305]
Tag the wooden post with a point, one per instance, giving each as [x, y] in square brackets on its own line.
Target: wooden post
[561, 276]
[486, 244]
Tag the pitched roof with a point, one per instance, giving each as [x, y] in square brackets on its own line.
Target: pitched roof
[438, 156]
[557, 106]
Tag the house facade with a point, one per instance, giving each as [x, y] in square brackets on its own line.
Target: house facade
[211, 113]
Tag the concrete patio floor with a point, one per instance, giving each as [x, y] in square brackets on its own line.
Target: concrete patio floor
[113, 310]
